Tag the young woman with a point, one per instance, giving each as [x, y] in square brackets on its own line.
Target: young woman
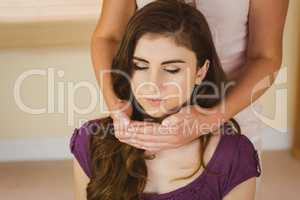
[167, 44]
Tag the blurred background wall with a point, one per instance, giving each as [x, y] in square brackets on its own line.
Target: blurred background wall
[48, 85]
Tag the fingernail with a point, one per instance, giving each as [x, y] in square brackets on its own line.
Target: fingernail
[126, 122]
[123, 117]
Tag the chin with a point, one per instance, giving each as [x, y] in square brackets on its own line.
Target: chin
[153, 113]
[157, 114]
[160, 115]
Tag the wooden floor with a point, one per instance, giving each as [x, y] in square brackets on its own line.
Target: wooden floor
[53, 179]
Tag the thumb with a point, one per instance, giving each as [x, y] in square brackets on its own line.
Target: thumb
[125, 119]
[122, 118]
[169, 121]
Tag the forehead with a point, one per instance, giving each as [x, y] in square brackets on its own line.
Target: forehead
[154, 46]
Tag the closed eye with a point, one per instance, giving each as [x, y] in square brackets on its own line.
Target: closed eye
[173, 71]
[136, 67]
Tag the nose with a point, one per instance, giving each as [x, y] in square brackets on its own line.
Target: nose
[154, 82]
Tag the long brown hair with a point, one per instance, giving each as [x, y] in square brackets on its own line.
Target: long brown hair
[119, 170]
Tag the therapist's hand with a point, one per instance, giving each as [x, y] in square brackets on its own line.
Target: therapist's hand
[175, 131]
[127, 134]
[120, 113]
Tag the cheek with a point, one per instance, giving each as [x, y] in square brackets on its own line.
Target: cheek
[180, 86]
[136, 82]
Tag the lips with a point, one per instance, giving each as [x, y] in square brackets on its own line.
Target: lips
[154, 101]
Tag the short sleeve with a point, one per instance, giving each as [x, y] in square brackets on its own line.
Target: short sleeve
[245, 164]
[79, 146]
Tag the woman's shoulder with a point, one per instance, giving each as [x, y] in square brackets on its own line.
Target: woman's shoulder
[238, 161]
[79, 143]
[91, 127]
[228, 143]
[236, 144]
[79, 146]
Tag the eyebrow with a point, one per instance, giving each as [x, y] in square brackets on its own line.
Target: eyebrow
[163, 63]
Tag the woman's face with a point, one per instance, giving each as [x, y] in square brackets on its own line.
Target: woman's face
[164, 74]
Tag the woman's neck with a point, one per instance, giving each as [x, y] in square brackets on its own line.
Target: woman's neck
[183, 154]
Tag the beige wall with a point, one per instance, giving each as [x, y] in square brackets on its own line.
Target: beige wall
[46, 36]
[73, 61]
[291, 56]
[71, 56]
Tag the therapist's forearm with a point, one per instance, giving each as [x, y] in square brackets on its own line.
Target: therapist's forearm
[102, 52]
[242, 93]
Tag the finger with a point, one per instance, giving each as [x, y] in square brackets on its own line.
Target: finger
[120, 135]
[124, 118]
[121, 119]
[145, 127]
[124, 135]
[120, 129]
[145, 130]
[171, 120]
[134, 124]
[148, 145]
[152, 151]
[136, 145]
[153, 128]
[157, 134]
[152, 138]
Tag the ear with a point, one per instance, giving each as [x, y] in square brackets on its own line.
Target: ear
[202, 71]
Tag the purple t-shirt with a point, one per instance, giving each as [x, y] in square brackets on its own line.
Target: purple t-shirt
[235, 159]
